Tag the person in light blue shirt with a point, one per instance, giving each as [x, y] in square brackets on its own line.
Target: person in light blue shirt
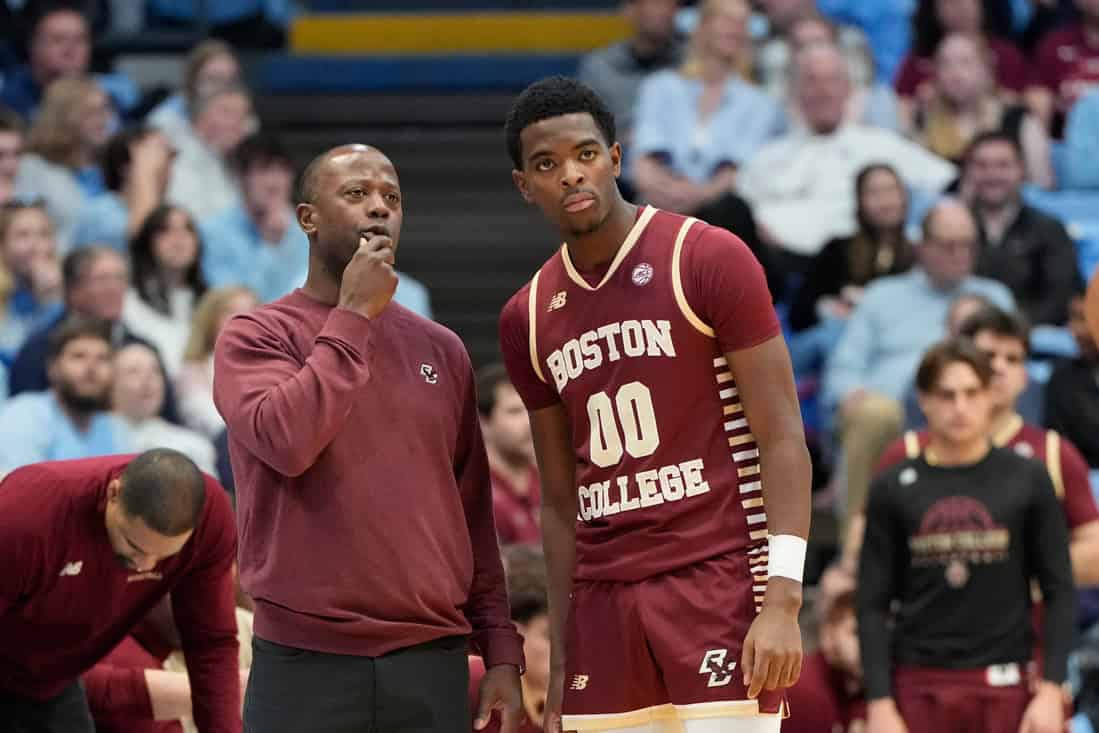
[69, 419]
[696, 125]
[137, 164]
[1081, 168]
[897, 319]
[210, 65]
[258, 243]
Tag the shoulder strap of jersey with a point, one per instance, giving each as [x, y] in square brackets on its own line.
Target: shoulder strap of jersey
[532, 317]
[677, 281]
[911, 444]
[1053, 462]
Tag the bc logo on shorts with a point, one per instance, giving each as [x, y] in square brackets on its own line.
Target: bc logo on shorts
[714, 664]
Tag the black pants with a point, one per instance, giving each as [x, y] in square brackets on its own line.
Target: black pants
[66, 713]
[421, 689]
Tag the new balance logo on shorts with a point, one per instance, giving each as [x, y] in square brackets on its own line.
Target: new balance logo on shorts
[579, 682]
[714, 664]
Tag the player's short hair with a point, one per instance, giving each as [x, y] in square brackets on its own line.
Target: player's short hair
[165, 489]
[998, 322]
[992, 136]
[526, 579]
[115, 157]
[489, 379]
[260, 149]
[951, 351]
[551, 97]
[10, 121]
[72, 329]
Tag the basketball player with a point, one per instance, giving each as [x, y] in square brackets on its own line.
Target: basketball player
[953, 538]
[1004, 339]
[668, 436]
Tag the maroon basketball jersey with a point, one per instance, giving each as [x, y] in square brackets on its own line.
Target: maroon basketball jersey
[667, 469]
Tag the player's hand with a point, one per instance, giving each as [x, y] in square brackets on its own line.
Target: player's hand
[882, 716]
[369, 280]
[1046, 711]
[555, 696]
[771, 659]
[500, 690]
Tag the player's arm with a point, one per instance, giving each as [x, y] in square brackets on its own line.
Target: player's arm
[552, 435]
[879, 566]
[21, 538]
[766, 384]
[204, 610]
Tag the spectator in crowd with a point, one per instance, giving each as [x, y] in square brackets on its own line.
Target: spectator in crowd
[70, 419]
[775, 51]
[683, 156]
[801, 186]
[516, 492]
[953, 539]
[898, 318]
[257, 243]
[1021, 247]
[1067, 61]
[12, 134]
[94, 282]
[167, 283]
[312, 354]
[1082, 144]
[963, 103]
[1003, 338]
[196, 378]
[137, 164]
[1072, 394]
[59, 46]
[137, 398]
[835, 282]
[525, 567]
[209, 66]
[126, 532]
[30, 274]
[961, 308]
[62, 160]
[933, 21]
[871, 103]
[201, 180]
[829, 694]
[616, 72]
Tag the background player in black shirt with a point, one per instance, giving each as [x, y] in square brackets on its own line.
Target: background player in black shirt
[955, 535]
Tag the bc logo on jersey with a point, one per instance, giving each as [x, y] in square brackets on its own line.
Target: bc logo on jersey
[714, 664]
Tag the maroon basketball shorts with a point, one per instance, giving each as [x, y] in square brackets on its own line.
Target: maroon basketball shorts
[667, 647]
[986, 700]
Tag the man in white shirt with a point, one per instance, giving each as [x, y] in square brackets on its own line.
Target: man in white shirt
[801, 186]
[137, 397]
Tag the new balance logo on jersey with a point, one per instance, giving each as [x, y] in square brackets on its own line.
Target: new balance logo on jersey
[579, 682]
[557, 301]
[72, 568]
[609, 343]
[714, 664]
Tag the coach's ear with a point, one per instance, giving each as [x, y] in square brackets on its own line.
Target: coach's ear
[306, 214]
[521, 183]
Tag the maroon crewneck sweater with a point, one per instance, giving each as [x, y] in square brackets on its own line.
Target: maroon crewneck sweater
[363, 494]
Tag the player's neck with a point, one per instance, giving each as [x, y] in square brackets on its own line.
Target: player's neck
[941, 452]
[588, 251]
[1002, 421]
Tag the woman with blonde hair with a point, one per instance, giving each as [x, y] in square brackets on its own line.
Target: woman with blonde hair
[196, 378]
[61, 162]
[697, 124]
[30, 273]
[210, 64]
[964, 102]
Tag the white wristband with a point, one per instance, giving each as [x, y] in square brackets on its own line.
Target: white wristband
[786, 556]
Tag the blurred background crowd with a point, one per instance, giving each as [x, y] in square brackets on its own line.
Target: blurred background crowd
[149, 151]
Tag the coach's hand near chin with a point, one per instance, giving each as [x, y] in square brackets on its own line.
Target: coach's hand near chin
[500, 690]
[771, 659]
